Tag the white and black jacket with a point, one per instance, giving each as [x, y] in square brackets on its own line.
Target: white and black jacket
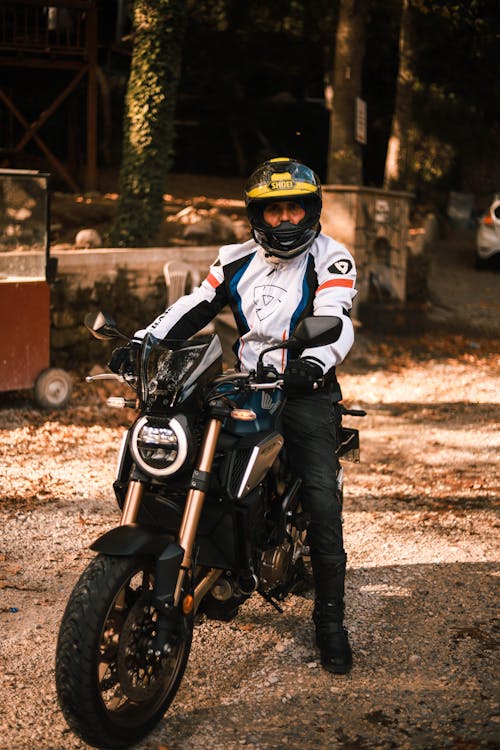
[268, 300]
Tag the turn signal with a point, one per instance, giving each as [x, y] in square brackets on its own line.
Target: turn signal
[116, 402]
[245, 415]
[187, 604]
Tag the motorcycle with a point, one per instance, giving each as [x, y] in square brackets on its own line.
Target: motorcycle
[210, 514]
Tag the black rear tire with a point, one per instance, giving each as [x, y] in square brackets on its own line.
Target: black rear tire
[111, 691]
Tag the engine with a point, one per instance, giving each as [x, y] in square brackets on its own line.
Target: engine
[274, 565]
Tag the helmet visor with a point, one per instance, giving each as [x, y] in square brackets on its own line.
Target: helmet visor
[282, 177]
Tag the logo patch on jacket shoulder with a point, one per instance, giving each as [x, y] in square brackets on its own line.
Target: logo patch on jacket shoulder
[340, 266]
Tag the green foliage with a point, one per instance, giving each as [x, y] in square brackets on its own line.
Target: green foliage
[433, 159]
[149, 120]
[457, 93]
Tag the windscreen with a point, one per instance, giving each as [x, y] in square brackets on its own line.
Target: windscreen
[170, 367]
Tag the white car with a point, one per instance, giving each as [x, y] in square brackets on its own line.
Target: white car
[488, 236]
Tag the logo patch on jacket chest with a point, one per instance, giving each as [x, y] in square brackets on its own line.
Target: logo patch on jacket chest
[267, 298]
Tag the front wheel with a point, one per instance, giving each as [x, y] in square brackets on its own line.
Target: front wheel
[111, 685]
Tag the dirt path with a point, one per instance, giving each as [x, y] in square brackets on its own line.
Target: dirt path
[422, 536]
[464, 300]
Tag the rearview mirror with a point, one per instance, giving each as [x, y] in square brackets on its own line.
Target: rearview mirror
[317, 330]
[102, 326]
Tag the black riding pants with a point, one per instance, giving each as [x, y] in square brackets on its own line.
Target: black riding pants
[310, 430]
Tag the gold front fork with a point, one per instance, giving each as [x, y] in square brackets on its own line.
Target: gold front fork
[133, 498]
[194, 502]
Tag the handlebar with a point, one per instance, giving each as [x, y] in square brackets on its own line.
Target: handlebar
[278, 384]
[266, 386]
[247, 381]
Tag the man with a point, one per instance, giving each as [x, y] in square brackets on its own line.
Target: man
[286, 272]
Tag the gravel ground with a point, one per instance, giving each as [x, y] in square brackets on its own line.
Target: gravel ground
[422, 535]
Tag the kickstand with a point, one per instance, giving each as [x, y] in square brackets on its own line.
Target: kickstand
[269, 599]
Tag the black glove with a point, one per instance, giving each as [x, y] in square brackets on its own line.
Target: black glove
[124, 358]
[302, 374]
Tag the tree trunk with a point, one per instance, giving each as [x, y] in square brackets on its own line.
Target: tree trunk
[344, 153]
[159, 27]
[398, 163]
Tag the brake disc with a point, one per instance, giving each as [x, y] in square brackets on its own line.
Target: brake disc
[140, 670]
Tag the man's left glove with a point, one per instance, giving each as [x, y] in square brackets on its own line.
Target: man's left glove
[302, 375]
[124, 358]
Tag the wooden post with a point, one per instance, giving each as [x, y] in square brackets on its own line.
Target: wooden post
[91, 166]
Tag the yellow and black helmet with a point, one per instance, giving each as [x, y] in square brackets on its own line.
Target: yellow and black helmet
[284, 179]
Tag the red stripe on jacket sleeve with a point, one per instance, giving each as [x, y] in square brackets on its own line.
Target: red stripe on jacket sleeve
[213, 281]
[349, 283]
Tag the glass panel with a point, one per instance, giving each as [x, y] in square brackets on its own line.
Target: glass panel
[23, 224]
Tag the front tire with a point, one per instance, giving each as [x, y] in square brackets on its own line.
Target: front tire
[111, 686]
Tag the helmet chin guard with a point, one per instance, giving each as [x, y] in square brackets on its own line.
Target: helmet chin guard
[284, 179]
[286, 240]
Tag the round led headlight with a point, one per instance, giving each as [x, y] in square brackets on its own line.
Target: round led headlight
[158, 449]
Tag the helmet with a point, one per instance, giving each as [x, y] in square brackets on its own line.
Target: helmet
[284, 179]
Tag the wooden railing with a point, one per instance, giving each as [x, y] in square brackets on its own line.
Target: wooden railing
[50, 35]
[45, 28]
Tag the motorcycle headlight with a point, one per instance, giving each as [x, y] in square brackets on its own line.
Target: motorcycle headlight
[159, 449]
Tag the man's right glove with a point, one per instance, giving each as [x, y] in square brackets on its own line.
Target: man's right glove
[124, 359]
[301, 375]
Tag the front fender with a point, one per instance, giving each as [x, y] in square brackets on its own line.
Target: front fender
[135, 539]
[132, 539]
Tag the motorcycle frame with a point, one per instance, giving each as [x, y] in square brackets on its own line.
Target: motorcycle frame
[174, 560]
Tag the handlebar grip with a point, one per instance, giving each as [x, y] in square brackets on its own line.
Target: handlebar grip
[104, 376]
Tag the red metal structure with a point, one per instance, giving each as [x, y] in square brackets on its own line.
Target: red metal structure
[25, 271]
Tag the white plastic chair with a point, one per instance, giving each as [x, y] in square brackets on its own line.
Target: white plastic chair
[179, 280]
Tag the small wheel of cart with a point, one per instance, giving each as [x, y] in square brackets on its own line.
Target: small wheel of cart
[53, 389]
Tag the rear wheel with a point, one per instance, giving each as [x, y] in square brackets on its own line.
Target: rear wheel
[112, 686]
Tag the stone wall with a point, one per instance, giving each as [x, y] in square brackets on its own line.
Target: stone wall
[374, 224]
[126, 283]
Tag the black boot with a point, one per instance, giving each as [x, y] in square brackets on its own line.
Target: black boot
[328, 615]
